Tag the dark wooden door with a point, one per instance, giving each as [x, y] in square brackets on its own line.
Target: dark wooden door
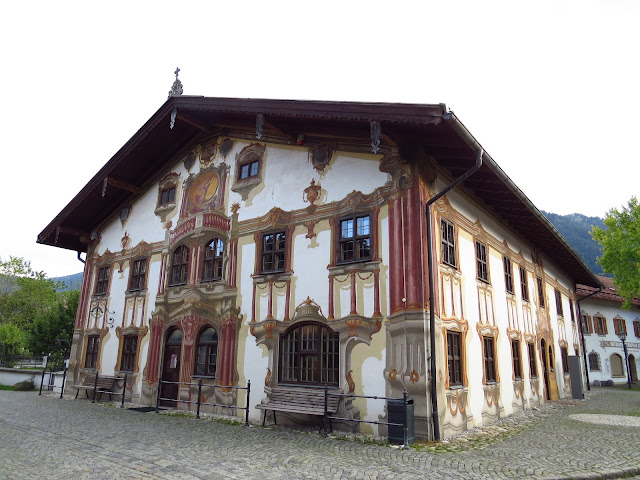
[171, 369]
[545, 368]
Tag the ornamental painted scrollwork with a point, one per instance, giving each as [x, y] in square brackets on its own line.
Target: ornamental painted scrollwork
[320, 156]
[204, 192]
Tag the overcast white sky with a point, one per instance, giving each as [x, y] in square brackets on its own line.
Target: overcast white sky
[550, 89]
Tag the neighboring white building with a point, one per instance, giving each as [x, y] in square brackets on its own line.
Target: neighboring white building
[283, 242]
[602, 320]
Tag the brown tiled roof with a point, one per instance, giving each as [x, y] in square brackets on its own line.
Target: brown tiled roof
[155, 147]
[608, 292]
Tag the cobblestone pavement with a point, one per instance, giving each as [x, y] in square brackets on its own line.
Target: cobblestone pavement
[44, 437]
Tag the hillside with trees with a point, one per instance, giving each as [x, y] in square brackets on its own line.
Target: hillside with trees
[575, 229]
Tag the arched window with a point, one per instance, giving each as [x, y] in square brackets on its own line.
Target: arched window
[309, 354]
[207, 352]
[212, 265]
[180, 265]
[594, 362]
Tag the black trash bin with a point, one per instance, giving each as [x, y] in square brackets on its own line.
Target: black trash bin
[395, 409]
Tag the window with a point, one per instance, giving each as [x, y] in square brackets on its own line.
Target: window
[448, 242]
[180, 266]
[250, 169]
[540, 292]
[93, 346]
[309, 355]
[489, 359]
[559, 304]
[102, 284]
[524, 286]
[138, 275]
[564, 354]
[594, 362]
[508, 275]
[355, 239]
[600, 325]
[586, 324]
[619, 325]
[454, 358]
[207, 356]
[515, 355]
[129, 349]
[533, 366]
[168, 196]
[273, 252]
[481, 262]
[636, 328]
[212, 265]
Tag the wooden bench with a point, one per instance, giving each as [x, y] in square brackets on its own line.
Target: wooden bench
[302, 400]
[104, 385]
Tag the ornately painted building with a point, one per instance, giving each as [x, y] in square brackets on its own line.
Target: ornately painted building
[284, 242]
[602, 320]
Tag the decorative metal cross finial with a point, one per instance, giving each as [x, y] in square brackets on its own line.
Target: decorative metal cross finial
[176, 88]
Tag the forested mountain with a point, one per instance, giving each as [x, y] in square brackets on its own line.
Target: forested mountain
[575, 229]
[71, 282]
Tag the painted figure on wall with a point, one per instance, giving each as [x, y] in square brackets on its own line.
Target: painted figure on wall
[202, 193]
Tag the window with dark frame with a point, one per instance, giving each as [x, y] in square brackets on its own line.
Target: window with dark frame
[309, 354]
[636, 328]
[533, 366]
[564, 355]
[168, 195]
[355, 239]
[180, 265]
[489, 359]
[540, 292]
[619, 325]
[587, 328]
[274, 247]
[207, 352]
[524, 285]
[481, 262]
[594, 362]
[212, 264]
[559, 309]
[508, 274]
[129, 349]
[454, 355]
[93, 347]
[517, 362]
[600, 325]
[102, 284]
[138, 274]
[249, 169]
[448, 242]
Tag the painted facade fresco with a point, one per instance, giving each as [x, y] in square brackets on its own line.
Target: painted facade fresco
[305, 264]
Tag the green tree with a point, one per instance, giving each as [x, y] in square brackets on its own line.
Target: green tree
[24, 292]
[13, 342]
[56, 323]
[620, 242]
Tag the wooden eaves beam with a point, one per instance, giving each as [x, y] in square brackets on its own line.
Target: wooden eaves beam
[121, 185]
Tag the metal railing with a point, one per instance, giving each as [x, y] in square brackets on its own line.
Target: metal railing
[198, 402]
[51, 368]
[405, 403]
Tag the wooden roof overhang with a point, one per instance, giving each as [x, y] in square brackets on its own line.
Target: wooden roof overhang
[155, 147]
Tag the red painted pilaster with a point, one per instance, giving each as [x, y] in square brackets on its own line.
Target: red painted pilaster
[412, 249]
[376, 294]
[286, 301]
[331, 317]
[396, 264]
[270, 307]
[354, 308]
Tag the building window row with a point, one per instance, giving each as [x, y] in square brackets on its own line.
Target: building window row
[211, 265]
[559, 310]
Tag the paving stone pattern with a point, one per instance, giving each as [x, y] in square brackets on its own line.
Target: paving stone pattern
[45, 437]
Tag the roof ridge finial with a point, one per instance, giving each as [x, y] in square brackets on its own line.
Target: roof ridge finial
[176, 88]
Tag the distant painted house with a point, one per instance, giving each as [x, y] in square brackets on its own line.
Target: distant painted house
[284, 242]
[602, 320]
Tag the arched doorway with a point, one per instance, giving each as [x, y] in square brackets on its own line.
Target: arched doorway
[545, 367]
[617, 369]
[171, 368]
[633, 370]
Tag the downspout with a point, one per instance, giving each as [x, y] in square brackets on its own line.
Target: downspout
[80, 253]
[584, 348]
[464, 133]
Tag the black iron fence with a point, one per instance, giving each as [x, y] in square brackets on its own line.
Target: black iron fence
[198, 402]
[404, 402]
